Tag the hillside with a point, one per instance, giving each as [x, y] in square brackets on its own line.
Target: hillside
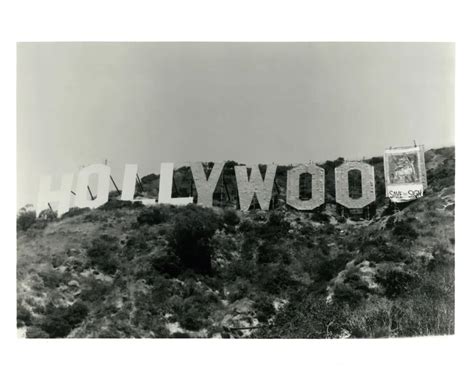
[124, 270]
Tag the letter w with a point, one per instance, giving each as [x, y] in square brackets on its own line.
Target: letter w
[262, 188]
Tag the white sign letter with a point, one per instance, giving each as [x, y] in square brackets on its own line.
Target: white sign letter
[103, 184]
[166, 183]
[128, 184]
[205, 187]
[293, 187]
[62, 196]
[255, 185]
[342, 184]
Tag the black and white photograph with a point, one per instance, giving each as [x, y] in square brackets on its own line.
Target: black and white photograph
[235, 190]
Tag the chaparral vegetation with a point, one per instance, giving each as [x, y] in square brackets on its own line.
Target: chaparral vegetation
[129, 271]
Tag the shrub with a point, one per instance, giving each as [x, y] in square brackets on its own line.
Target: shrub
[191, 319]
[152, 216]
[120, 204]
[180, 335]
[247, 226]
[341, 219]
[76, 313]
[75, 211]
[239, 290]
[25, 219]
[345, 293]
[231, 217]
[375, 160]
[377, 250]
[274, 278]
[192, 311]
[36, 332]
[327, 229]
[190, 237]
[395, 281]
[390, 223]
[320, 217]
[59, 321]
[308, 230]
[267, 253]
[136, 243]
[270, 252]
[275, 228]
[48, 215]
[264, 308]
[169, 265]
[51, 278]
[330, 267]
[95, 290]
[403, 230]
[23, 316]
[306, 316]
[102, 254]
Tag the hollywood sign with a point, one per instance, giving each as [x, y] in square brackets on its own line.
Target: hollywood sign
[405, 179]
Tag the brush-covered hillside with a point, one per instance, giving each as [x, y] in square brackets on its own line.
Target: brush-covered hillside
[128, 271]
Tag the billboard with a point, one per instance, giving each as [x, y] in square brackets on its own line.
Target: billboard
[405, 173]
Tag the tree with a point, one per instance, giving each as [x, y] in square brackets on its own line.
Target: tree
[190, 237]
[25, 219]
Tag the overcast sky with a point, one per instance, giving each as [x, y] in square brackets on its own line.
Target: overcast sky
[146, 103]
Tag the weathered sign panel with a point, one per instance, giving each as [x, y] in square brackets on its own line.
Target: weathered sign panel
[405, 173]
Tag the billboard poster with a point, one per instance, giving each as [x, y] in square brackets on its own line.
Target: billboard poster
[405, 173]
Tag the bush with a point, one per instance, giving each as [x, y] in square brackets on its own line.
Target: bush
[191, 319]
[52, 278]
[328, 229]
[152, 216]
[320, 217]
[345, 293]
[103, 254]
[264, 308]
[267, 253]
[180, 335]
[120, 204]
[306, 316]
[247, 226]
[190, 237]
[48, 215]
[275, 228]
[330, 267]
[36, 332]
[396, 282]
[95, 290]
[23, 316]
[308, 230]
[75, 211]
[403, 230]
[390, 223]
[239, 290]
[59, 321]
[169, 265]
[378, 250]
[25, 220]
[192, 311]
[231, 217]
[274, 278]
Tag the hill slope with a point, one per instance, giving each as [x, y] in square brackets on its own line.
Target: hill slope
[124, 270]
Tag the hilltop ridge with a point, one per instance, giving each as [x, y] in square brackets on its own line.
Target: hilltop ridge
[125, 270]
